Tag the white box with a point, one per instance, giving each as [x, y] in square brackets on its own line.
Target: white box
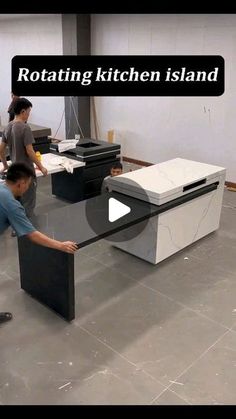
[180, 226]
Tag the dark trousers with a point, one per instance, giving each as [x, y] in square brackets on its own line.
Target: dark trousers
[28, 200]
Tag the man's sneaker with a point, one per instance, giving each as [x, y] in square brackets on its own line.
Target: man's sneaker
[5, 316]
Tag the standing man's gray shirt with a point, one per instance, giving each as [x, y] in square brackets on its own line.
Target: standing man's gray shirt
[17, 135]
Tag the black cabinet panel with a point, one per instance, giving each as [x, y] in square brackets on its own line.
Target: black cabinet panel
[48, 275]
[68, 186]
[92, 173]
[84, 183]
[42, 144]
[93, 186]
[43, 148]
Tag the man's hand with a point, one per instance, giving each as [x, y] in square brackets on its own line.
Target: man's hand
[69, 247]
[44, 171]
[43, 240]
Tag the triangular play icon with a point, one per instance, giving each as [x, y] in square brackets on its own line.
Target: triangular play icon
[117, 210]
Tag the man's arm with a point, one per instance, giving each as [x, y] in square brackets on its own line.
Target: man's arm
[31, 153]
[23, 227]
[43, 240]
[3, 147]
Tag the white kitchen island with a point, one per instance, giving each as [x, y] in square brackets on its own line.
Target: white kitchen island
[181, 225]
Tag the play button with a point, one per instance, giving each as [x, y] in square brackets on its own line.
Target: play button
[118, 216]
[117, 210]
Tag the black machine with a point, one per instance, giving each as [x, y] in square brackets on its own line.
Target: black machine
[86, 181]
[42, 142]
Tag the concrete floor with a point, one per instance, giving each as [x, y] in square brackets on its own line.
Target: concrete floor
[143, 334]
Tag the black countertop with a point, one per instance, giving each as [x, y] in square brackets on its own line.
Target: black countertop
[71, 222]
[88, 148]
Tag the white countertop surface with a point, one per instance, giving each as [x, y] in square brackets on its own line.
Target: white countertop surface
[52, 163]
[167, 178]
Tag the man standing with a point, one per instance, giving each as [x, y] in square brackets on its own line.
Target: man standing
[19, 139]
[18, 180]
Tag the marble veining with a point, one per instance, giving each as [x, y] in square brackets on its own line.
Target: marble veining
[167, 177]
[182, 225]
[204, 215]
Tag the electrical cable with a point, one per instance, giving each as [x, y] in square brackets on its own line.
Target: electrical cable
[81, 132]
[59, 124]
[69, 125]
[95, 119]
